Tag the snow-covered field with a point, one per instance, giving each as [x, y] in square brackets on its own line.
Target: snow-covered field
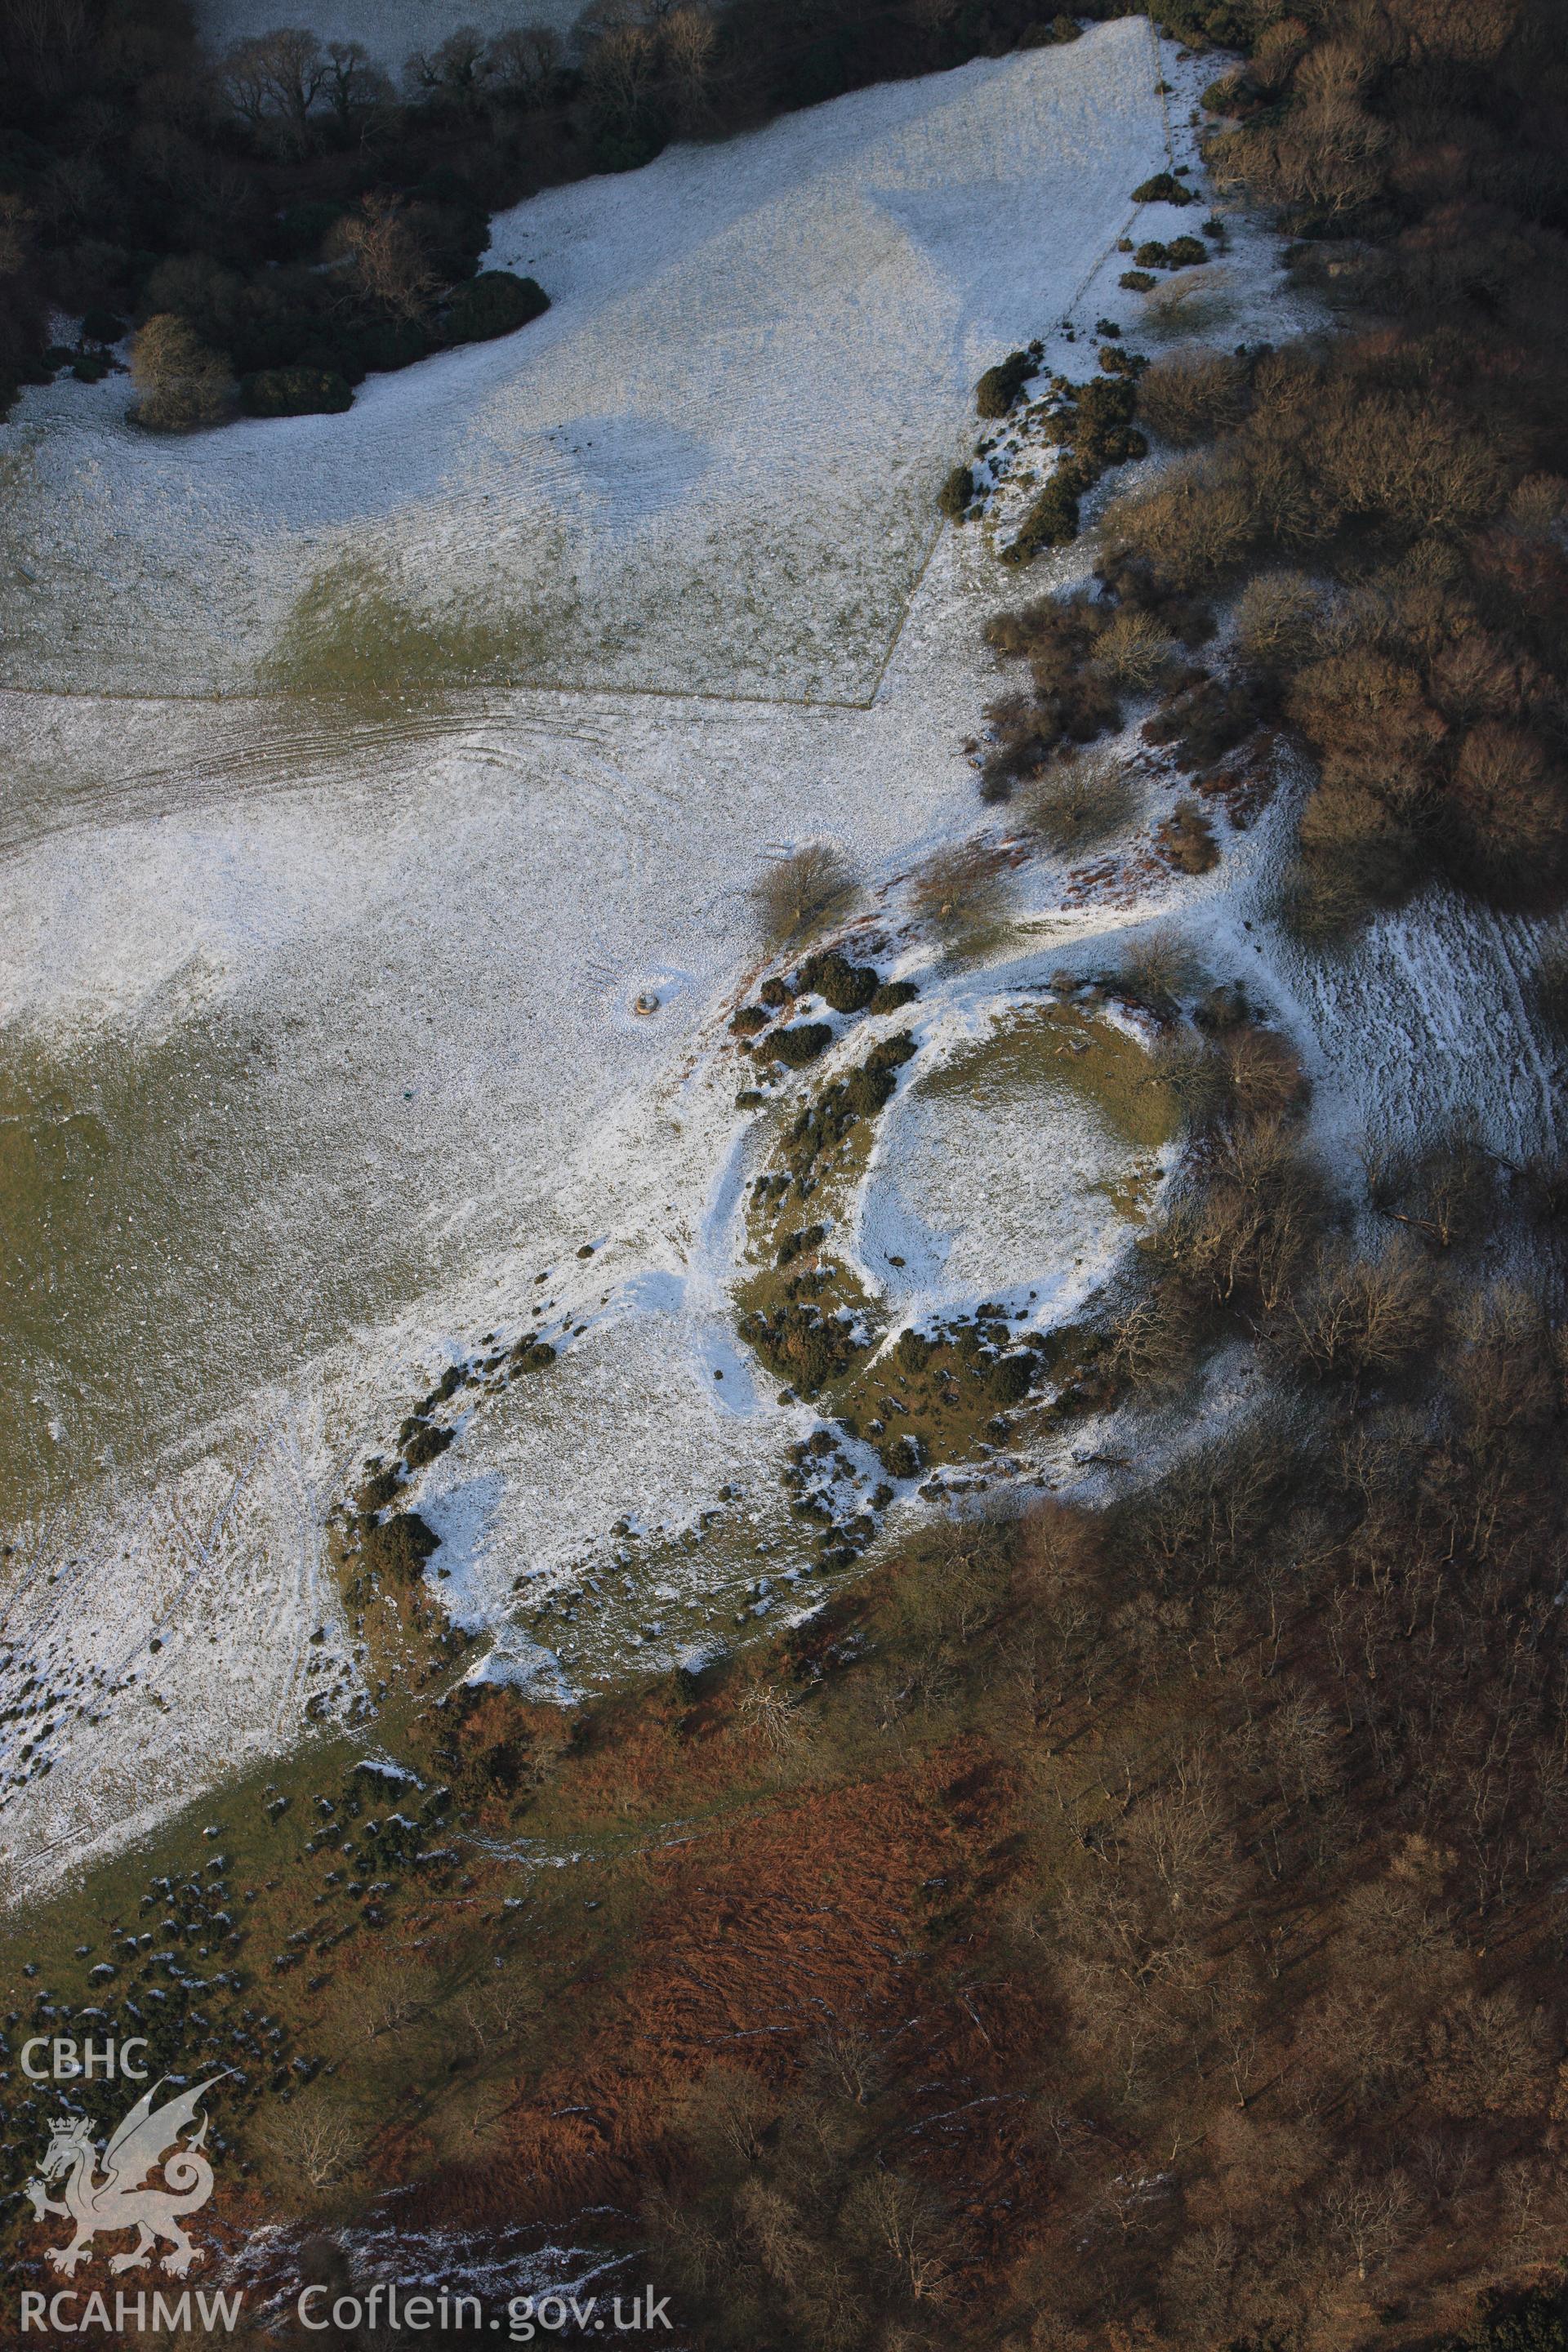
[319, 1059]
[711, 467]
[156, 1636]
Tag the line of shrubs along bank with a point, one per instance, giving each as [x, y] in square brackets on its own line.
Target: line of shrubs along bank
[496, 303]
[183, 383]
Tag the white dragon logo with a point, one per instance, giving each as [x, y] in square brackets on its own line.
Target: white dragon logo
[122, 2200]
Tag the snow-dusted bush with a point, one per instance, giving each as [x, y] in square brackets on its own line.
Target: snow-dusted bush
[1082, 798]
[802, 1043]
[1000, 386]
[181, 384]
[847, 987]
[802, 890]
[374, 1493]
[426, 1444]
[398, 1547]
[496, 303]
[1053, 518]
[1135, 652]
[1165, 188]
[893, 995]
[294, 392]
[1103, 432]
[382, 344]
[1277, 619]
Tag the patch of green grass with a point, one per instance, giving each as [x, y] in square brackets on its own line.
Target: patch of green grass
[1066, 1046]
[138, 1266]
[931, 1399]
[1131, 1193]
[338, 1943]
[260, 1846]
[354, 631]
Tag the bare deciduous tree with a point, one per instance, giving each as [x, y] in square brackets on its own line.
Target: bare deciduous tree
[16, 234]
[386, 257]
[802, 890]
[962, 887]
[689, 38]
[1488, 2054]
[903, 2222]
[620, 71]
[1079, 798]
[726, 2111]
[315, 2140]
[1303, 1738]
[457, 71]
[390, 1994]
[1277, 617]
[772, 2223]
[849, 2060]
[1156, 1340]
[1182, 1833]
[1365, 1316]
[494, 2010]
[274, 80]
[353, 85]
[1370, 2216]
[932, 18]
[525, 61]
[771, 1718]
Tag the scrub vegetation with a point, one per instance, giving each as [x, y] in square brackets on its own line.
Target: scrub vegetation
[1385, 503]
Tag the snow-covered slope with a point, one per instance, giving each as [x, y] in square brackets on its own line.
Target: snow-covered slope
[319, 1045]
[711, 467]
